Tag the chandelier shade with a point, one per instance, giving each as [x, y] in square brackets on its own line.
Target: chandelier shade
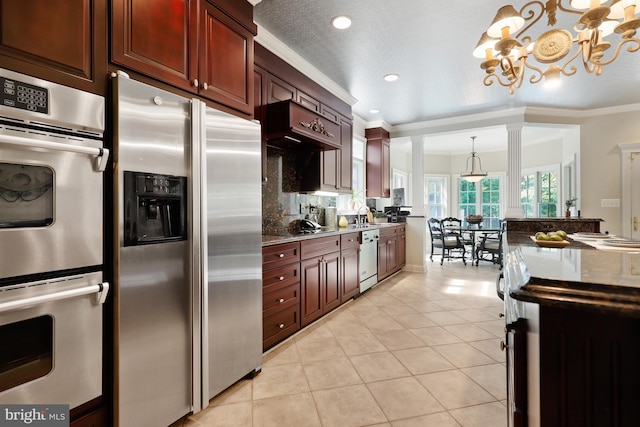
[474, 171]
[510, 56]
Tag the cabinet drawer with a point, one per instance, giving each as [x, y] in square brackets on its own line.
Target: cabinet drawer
[279, 326]
[320, 246]
[278, 255]
[273, 302]
[388, 232]
[351, 240]
[280, 277]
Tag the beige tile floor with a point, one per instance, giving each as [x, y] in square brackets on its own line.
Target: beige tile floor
[416, 350]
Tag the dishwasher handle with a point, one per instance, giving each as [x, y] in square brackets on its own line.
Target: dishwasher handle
[100, 290]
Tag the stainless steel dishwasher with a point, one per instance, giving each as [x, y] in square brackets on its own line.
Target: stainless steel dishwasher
[369, 259]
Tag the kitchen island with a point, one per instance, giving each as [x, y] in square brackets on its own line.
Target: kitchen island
[573, 333]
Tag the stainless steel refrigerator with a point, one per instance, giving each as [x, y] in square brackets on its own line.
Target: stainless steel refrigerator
[188, 297]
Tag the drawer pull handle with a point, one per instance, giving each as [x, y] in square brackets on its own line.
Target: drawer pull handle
[281, 300]
[281, 278]
[281, 325]
[281, 255]
[503, 346]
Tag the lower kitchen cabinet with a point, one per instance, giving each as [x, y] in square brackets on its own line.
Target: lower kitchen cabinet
[280, 292]
[391, 250]
[320, 278]
[350, 265]
[320, 288]
[386, 252]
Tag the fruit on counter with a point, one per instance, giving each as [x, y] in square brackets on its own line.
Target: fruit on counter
[557, 236]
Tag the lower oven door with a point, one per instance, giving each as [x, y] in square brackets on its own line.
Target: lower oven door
[51, 335]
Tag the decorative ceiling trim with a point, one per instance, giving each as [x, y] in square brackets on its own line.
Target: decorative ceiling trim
[268, 40]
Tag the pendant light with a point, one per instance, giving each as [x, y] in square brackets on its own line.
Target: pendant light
[475, 174]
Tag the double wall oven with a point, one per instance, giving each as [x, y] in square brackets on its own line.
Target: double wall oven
[51, 242]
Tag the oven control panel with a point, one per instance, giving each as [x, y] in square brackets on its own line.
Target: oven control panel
[24, 96]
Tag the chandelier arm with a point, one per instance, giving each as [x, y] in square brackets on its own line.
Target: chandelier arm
[564, 9]
[571, 70]
[630, 48]
[490, 78]
[527, 10]
[535, 78]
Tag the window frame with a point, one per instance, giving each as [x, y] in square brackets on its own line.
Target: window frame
[445, 190]
[538, 171]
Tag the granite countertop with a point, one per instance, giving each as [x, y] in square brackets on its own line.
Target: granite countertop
[577, 276]
[270, 239]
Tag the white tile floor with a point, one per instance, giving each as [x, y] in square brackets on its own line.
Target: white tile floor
[416, 350]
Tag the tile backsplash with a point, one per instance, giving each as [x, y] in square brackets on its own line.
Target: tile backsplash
[281, 204]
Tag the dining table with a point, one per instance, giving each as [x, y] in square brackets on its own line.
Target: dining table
[474, 231]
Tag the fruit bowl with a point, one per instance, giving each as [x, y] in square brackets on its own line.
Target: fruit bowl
[474, 219]
[550, 243]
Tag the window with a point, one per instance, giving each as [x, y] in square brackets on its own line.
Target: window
[482, 197]
[400, 179]
[435, 196]
[539, 193]
[357, 183]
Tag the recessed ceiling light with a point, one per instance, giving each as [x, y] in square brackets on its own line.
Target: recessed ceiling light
[374, 111]
[341, 22]
[391, 77]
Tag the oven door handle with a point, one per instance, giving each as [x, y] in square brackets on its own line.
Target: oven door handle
[100, 290]
[101, 154]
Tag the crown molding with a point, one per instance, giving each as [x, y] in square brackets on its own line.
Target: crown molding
[268, 40]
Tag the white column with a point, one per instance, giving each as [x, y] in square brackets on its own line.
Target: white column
[514, 170]
[416, 222]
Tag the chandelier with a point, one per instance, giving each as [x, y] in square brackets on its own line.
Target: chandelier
[507, 50]
[474, 174]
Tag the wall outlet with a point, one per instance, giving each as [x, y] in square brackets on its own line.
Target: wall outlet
[610, 203]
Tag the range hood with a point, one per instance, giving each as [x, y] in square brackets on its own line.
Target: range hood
[293, 126]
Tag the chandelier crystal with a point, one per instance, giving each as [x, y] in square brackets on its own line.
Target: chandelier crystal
[473, 174]
[508, 52]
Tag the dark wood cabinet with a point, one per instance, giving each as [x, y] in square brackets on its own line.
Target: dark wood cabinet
[320, 277]
[378, 163]
[278, 81]
[331, 170]
[225, 60]
[61, 41]
[350, 266]
[391, 251]
[193, 45]
[280, 292]
[589, 371]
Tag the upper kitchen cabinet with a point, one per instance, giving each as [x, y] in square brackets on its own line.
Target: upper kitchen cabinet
[60, 41]
[378, 163]
[205, 47]
[328, 170]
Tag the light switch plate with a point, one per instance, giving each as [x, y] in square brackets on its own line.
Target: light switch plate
[610, 203]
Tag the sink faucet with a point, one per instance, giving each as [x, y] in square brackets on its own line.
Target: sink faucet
[358, 213]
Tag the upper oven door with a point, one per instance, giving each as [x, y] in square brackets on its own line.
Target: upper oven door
[50, 201]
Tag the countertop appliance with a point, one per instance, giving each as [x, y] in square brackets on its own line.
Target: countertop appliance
[188, 315]
[52, 161]
[369, 259]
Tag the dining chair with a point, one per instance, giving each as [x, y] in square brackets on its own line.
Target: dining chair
[448, 241]
[489, 247]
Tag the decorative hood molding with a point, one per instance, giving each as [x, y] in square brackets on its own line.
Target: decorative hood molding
[293, 126]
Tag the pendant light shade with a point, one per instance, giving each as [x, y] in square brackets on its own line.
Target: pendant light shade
[474, 166]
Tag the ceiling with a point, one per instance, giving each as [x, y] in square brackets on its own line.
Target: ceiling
[429, 45]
